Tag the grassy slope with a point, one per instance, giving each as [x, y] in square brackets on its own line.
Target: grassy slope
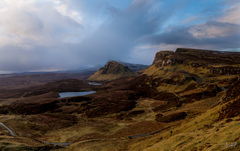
[203, 132]
[98, 76]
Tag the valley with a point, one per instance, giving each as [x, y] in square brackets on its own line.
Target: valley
[186, 100]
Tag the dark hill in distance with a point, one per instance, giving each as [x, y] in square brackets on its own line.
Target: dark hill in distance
[111, 71]
[135, 67]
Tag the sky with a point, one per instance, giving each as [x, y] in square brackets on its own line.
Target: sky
[52, 35]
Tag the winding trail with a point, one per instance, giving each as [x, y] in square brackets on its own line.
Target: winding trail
[12, 134]
[67, 144]
[9, 130]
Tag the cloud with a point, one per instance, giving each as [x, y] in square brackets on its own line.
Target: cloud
[55, 35]
[36, 35]
[34, 21]
[232, 14]
[117, 37]
[210, 35]
[220, 33]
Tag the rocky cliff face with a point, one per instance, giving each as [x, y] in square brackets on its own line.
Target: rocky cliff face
[217, 62]
[227, 70]
[112, 70]
[164, 58]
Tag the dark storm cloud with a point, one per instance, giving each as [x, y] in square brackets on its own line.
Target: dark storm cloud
[211, 34]
[116, 38]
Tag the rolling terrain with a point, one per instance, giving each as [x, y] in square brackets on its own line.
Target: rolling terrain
[186, 100]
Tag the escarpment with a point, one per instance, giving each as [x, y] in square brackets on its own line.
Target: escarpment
[216, 62]
[227, 70]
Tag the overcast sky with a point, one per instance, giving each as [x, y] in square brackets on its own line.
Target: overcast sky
[50, 35]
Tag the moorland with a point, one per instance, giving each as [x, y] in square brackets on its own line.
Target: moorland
[188, 99]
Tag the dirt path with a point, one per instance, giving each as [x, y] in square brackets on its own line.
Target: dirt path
[9, 130]
[12, 134]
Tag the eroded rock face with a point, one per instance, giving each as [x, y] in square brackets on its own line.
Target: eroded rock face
[163, 58]
[231, 109]
[233, 92]
[198, 57]
[228, 70]
[201, 58]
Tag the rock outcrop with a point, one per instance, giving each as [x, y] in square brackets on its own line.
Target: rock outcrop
[164, 58]
[227, 70]
[111, 71]
[218, 62]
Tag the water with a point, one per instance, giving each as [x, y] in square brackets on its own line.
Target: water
[60, 144]
[72, 94]
[94, 83]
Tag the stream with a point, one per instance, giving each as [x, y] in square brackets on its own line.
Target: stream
[94, 83]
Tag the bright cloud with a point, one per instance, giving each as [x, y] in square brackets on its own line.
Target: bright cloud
[35, 23]
[232, 14]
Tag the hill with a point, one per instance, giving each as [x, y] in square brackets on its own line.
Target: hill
[204, 84]
[135, 67]
[111, 71]
[186, 100]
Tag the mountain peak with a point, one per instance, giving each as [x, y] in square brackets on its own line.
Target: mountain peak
[112, 70]
[113, 67]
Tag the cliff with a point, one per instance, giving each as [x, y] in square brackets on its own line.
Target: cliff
[217, 62]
